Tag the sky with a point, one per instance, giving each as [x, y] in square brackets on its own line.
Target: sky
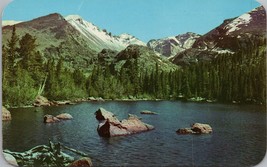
[145, 19]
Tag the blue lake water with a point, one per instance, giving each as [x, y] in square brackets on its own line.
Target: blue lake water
[238, 138]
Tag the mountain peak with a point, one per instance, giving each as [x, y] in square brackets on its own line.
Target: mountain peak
[101, 38]
[52, 16]
[170, 46]
[73, 17]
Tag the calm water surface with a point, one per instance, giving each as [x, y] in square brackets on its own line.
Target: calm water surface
[239, 137]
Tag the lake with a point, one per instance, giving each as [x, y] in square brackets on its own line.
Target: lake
[238, 138]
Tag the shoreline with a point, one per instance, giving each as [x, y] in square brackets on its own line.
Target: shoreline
[99, 99]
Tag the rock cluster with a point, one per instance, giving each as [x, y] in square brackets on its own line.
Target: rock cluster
[110, 125]
[196, 128]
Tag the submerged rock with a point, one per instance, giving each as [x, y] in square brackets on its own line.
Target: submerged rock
[185, 131]
[196, 128]
[110, 125]
[64, 116]
[82, 162]
[6, 116]
[148, 112]
[50, 119]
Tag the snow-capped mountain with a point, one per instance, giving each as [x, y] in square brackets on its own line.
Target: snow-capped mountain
[101, 38]
[236, 23]
[170, 46]
[230, 31]
[232, 36]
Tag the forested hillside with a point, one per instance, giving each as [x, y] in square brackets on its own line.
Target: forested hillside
[200, 73]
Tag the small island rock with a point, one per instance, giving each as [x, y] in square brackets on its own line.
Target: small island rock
[196, 128]
[110, 126]
[6, 116]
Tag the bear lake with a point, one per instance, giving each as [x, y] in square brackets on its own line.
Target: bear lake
[238, 138]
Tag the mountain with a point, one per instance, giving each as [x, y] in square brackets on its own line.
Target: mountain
[170, 46]
[232, 36]
[56, 39]
[146, 57]
[101, 38]
[73, 39]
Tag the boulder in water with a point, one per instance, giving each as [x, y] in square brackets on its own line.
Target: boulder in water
[64, 116]
[6, 116]
[201, 128]
[41, 101]
[110, 126]
[50, 119]
[196, 128]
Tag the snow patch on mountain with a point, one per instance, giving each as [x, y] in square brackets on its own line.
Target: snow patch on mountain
[9, 22]
[101, 38]
[236, 23]
[222, 51]
[170, 46]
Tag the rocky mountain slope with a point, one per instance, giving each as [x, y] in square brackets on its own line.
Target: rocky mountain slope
[101, 38]
[232, 36]
[170, 46]
[73, 39]
[56, 39]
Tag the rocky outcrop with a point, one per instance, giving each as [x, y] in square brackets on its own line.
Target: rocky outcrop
[82, 162]
[64, 116]
[50, 119]
[148, 112]
[6, 116]
[109, 124]
[196, 128]
[41, 101]
[10, 159]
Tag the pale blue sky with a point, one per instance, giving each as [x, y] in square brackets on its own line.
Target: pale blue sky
[145, 19]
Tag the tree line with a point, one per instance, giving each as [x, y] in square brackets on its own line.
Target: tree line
[239, 77]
